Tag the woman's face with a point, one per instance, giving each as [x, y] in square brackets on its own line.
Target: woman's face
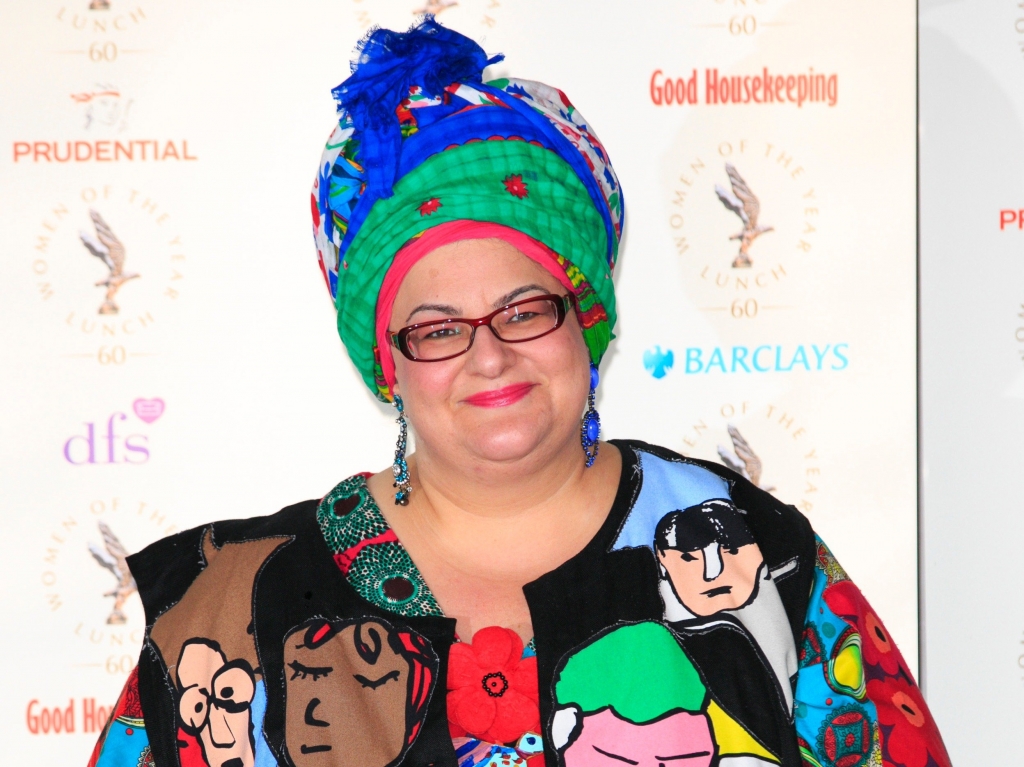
[537, 389]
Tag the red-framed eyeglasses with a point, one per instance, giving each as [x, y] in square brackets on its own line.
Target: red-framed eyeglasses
[513, 323]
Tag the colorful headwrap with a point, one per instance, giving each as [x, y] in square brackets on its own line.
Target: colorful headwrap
[422, 141]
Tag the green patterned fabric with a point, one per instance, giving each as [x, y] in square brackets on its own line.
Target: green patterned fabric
[466, 183]
[369, 554]
[351, 521]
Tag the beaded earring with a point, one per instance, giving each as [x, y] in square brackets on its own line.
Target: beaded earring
[400, 467]
[590, 427]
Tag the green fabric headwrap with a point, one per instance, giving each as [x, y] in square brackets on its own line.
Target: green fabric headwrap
[468, 182]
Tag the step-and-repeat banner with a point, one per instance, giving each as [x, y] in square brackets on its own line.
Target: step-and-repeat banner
[168, 354]
[972, 373]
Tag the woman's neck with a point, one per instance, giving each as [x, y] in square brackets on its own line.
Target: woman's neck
[488, 490]
[478, 542]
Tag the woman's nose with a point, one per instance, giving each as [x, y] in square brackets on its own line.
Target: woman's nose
[489, 355]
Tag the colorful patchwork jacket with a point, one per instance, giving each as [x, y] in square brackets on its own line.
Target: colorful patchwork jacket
[705, 624]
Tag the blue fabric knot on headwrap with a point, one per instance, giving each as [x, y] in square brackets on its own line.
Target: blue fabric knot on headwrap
[389, 64]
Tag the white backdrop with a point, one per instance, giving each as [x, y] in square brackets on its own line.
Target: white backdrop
[220, 388]
[972, 373]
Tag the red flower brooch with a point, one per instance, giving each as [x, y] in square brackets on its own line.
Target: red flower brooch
[515, 186]
[492, 688]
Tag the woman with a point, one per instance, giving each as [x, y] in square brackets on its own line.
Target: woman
[515, 592]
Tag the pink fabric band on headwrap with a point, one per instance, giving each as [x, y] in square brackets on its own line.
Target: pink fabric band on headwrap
[431, 240]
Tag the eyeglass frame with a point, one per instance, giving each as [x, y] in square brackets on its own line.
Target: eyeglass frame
[562, 306]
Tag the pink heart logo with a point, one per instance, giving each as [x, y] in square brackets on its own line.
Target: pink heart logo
[148, 409]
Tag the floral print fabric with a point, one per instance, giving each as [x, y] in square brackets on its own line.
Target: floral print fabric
[857, 704]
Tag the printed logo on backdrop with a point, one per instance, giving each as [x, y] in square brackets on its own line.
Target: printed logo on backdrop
[734, 19]
[750, 358]
[99, 31]
[103, 108]
[743, 218]
[102, 111]
[99, 109]
[765, 86]
[470, 17]
[109, 262]
[88, 598]
[768, 444]
[107, 441]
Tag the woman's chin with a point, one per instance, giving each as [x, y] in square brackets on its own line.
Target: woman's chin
[504, 445]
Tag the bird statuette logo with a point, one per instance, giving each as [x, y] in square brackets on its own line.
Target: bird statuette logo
[744, 461]
[113, 557]
[743, 203]
[106, 247]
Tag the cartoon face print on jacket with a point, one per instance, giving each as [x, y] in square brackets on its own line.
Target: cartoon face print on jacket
[356, 692]
[210, 656]
[710, 564]
[215, 696]
[631, 695]
[710, 557]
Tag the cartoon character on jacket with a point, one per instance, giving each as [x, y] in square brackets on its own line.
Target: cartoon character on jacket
[709, 557]
[215, 697]
[356, 692]
[211, 657]
[711, 567]
[631, 695]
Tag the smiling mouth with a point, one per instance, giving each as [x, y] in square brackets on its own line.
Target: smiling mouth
[717, 592]
[507, 395]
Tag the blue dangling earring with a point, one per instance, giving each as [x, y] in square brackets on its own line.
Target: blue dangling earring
[400, 467]
[590, 428]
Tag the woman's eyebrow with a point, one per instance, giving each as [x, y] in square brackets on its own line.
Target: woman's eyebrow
[451, 311]
[510, 297]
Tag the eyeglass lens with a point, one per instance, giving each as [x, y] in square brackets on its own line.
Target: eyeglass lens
[522, 322]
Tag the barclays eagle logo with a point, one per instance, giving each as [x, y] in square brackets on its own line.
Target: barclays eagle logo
[658, 362]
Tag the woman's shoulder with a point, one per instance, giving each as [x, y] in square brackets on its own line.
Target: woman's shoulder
[662, 479]
[166, 568]
[668, 467]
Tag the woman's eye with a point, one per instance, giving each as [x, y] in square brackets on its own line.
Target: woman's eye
[441, 333]
[523, 317]
[688, 557]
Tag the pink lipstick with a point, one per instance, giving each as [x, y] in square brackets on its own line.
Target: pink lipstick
[507, 395]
